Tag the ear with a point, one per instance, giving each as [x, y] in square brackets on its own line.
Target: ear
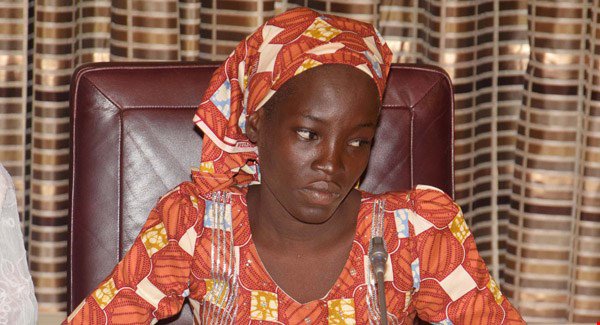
[253, 124]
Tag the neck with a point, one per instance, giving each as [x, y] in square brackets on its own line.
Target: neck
[270, 222]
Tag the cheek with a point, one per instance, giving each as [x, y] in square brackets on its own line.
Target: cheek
[360, 156]
[294, 159]
[281, 158]
[357, 163]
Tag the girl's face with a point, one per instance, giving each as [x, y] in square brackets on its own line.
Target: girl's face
[314, 139]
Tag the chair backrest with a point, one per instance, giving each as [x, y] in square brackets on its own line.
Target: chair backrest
[133, 140]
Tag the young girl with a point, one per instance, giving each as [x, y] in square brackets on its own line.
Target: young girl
[272, 229]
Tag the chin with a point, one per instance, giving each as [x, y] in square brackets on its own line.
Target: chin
[309, 212]
[314, 216]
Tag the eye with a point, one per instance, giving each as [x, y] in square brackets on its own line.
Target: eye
[306, 134]
[359, 142]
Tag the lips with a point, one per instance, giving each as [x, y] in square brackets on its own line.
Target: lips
[322, 192]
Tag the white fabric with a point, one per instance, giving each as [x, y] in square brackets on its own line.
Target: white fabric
[17, 298]
[458, 283]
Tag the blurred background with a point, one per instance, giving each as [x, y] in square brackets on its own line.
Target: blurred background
[527, 83]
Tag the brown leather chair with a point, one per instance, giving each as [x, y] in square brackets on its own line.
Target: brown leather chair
[133, 139]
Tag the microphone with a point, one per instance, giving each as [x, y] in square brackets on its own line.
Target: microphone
[378, 257]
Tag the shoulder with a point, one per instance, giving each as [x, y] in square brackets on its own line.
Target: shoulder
[428, 202]
[179, 209]
[7, 193]
[186, 193]
[5, 182]
[5, 179]
[186, 206]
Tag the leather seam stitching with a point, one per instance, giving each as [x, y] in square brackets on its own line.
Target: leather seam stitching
[104, 94]
[434, 85]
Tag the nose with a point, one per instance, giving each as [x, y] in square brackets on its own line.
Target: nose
[329, 159]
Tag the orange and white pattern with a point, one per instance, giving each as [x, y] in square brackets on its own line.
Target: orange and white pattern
[434, 271]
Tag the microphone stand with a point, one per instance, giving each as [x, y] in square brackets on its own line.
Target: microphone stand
[378, 258]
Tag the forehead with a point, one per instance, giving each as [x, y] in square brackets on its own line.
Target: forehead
[327, 90]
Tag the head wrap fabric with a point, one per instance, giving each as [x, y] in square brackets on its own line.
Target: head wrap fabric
[285, 46]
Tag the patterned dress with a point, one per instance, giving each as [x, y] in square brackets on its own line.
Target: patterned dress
[202, 248]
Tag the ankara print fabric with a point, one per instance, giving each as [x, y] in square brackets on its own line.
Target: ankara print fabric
[280, 49]
[434, 270]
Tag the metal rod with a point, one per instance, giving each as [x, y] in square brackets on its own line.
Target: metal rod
[381, 298]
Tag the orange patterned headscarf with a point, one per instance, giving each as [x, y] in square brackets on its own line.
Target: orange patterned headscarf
[283, 47]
